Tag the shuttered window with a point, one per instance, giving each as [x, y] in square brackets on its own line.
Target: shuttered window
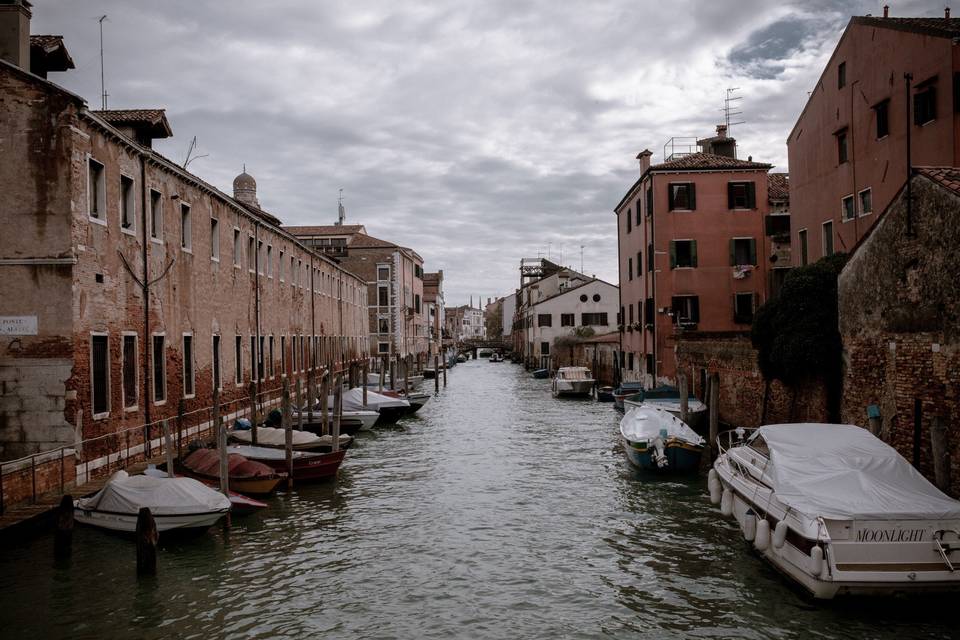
[238, 360]
[686, 309]
[100, 374]
[682, 196]
[741, 195]
[189, 387]
[743, 307]
[129, 371]
[159, 370]
[683, 253]
[217, 382]
[743, 251]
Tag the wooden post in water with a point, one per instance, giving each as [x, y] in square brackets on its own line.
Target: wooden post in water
[444, 373]
[684, 396]
[325, 402]
[364, 383]
[383, 372]
[288, 429]
[311, 398]
[436, 374]
[181, 409]
[337, 412]
[406, 373]
[299, 398]
[940, 452]
[224, 455]
[714, 411]
[253, 412]
[147, 538]
[168, 445]
[393, 370]
[63, 539]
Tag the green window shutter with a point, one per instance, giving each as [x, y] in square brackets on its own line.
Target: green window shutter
[753, 251]
[733, 253]
[729, 195]
[695, 309]
[693, 253]
[751, 195]
[669, 197]
[673, 254]
[736, 318]
[693, 199]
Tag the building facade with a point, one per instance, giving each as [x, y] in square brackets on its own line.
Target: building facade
[131, 286]
[465, 323]
[693, 252]
[848, 149]
[434, 311]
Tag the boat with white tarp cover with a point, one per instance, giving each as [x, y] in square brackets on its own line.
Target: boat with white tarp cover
[656, 440]
[175, 503]
[390, 409]
[837, 510]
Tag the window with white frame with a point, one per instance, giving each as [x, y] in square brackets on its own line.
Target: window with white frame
[186, 228]
[156, 215]
[280, 266]
[128, 207]
[129, 370]
[269, 268]
[215, 239]
[159, 357]
[100, 375]
[238, 360]
[236, 247]
[827, 238]
[96, 191]
[251, 256]
[866, 202]
[847, 208]
[217, 362]
[189, 386]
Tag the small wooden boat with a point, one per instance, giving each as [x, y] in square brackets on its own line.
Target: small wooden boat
[430, 373]
[668, 398]
[245, 476]
[177, 504]
[573, 381]
[655, 440]
[302, 440]
[605, 394]
[541, 374]
[496, 357]
[623, 391]
[461, 358]
[415, 400]
[307, 465]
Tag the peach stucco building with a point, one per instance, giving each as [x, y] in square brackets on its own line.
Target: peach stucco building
[848, 149]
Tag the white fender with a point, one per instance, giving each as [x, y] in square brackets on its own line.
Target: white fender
[780, 534]
[713, 480]
[715, 493]
[726, 502]
[762, 542]
[816, 561]
[749, 525]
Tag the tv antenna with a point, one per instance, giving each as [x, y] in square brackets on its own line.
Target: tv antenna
[190, 157]
[581, 258]
[103, 88]
[730, 108]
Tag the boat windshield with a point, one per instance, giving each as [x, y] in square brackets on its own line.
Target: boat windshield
[759, 445]
[574, 374]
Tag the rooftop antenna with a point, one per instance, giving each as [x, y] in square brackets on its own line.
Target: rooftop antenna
[729, 109]
[103, 88]
[581, 258]
[549, 256]
[193, 147]
[341, 212]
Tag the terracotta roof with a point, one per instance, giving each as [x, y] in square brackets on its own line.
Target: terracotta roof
[778, 186]
[155, 120]
[702, 161]
[326, 230]
[363, 241]
[937, 27]
[49, 52]
[946, 177]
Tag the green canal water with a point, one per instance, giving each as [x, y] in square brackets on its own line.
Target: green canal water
[498, 512]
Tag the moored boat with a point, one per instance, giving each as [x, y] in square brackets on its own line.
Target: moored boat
[837, 510]
[655, 440]
[307, 465]
[180, 504]
[429, 373]
[605, 394]
[389, 408]
[573, 381]
[623, 391]
[240, 505]
[541, 374]
[245, 476]
[277, 439]
[668, 398]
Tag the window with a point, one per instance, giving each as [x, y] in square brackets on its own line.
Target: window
[129, 371]
[236, 247]
[253, 357]
[882, 113]
[593, 319]
[866, 202]
[686, 310]
[189, 388]
[841, 146]
[416, 302]
[544, 320]
[383, 326]
[841, 75]
[100, 374]
[630, 313]
[639, 263]
[683, 254]
[383, 347]
[596, 297]
[261, 369]
[567, 319]
[925, 103]
[251, 256]
[630, 361]
[280, 266]
[649, 198]
[629, 268]
[128, 207]
[186, 240]
[648, 311]
[583, 298]
[544, 348]
[156, 215]
[743, 251]
[383, 296]
[681, 196]
[270, 361]
[741, 195]
[638, 214]
[215, 239]
[778, 224]
[217, 381]
[383, 273]
[96, 191]
[847, 209]
[629, 220]
[238, 360]
[283, 355]
[743, 305]
[650, 257]
[828, 238]
[802, 234]
[159, 369]
[260, 257]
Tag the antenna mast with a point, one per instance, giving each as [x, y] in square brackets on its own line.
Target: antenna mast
[581, 258]
[341, 213]
[729, 109]
[103, 88]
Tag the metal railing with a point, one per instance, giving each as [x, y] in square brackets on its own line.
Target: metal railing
[732, 438]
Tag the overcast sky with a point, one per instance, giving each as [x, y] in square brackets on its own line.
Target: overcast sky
[477, 133]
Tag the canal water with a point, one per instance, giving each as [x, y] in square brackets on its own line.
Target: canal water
[497, 512]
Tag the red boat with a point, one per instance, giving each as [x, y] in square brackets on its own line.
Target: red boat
[307, 465]
[245, 475]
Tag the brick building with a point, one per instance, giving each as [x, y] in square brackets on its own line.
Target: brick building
[899, 303]
[433, 311]
[693, 248]
[129, 284]
[398, 325]
[848, 149]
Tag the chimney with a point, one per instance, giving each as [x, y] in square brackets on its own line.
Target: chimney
[886, 11]
[721, 131]
[15, 32]
[644, 158]
[946, 12]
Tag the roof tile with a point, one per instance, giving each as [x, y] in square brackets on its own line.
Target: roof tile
[701, 161]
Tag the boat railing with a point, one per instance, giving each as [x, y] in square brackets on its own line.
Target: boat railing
[732, 438]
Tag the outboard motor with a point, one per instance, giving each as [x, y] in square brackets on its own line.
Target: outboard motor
[659, 453]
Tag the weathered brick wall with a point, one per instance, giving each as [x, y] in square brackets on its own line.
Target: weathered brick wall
[900, 322]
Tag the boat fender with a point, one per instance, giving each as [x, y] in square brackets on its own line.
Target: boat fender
[715, 493]
[780, 534]
[762, 541]
[713, 480]
[749, 525]
[726, 502]
[816, 561]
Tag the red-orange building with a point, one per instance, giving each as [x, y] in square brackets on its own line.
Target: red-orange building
[693, 252]
[848, 149]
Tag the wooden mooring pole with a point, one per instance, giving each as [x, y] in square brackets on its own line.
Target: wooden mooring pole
[714, 412]
[940, 452]
[337, 411]
[288, 429]
[436, 374]
[299, 408]
[147, 539]
[684, 400]
[168, 444]
[63, 539]
[252, 390]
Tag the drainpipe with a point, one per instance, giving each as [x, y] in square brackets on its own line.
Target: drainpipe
[653, 279]
[853, 166]
[620, 311]
[256, 297]
[313, 317]
[147, 348]
[907, 77]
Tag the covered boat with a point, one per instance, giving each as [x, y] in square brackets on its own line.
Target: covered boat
[240, 505]
[837, 510]
[277, 439]
[176, 504]
[655, 440]
[390, 408]
[573, 381]
[668, 398]
[245, 476]
[307, 465]
[625, 389]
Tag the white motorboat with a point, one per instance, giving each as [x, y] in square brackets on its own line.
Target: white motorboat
[175, 503]
[573, 381]
[837, 510]
[389, 408]
[655, 440]
[366, 417]
[277, 438]
[668, 399]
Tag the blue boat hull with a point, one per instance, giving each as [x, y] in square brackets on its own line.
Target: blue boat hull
[681, 457]
[541, 374]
